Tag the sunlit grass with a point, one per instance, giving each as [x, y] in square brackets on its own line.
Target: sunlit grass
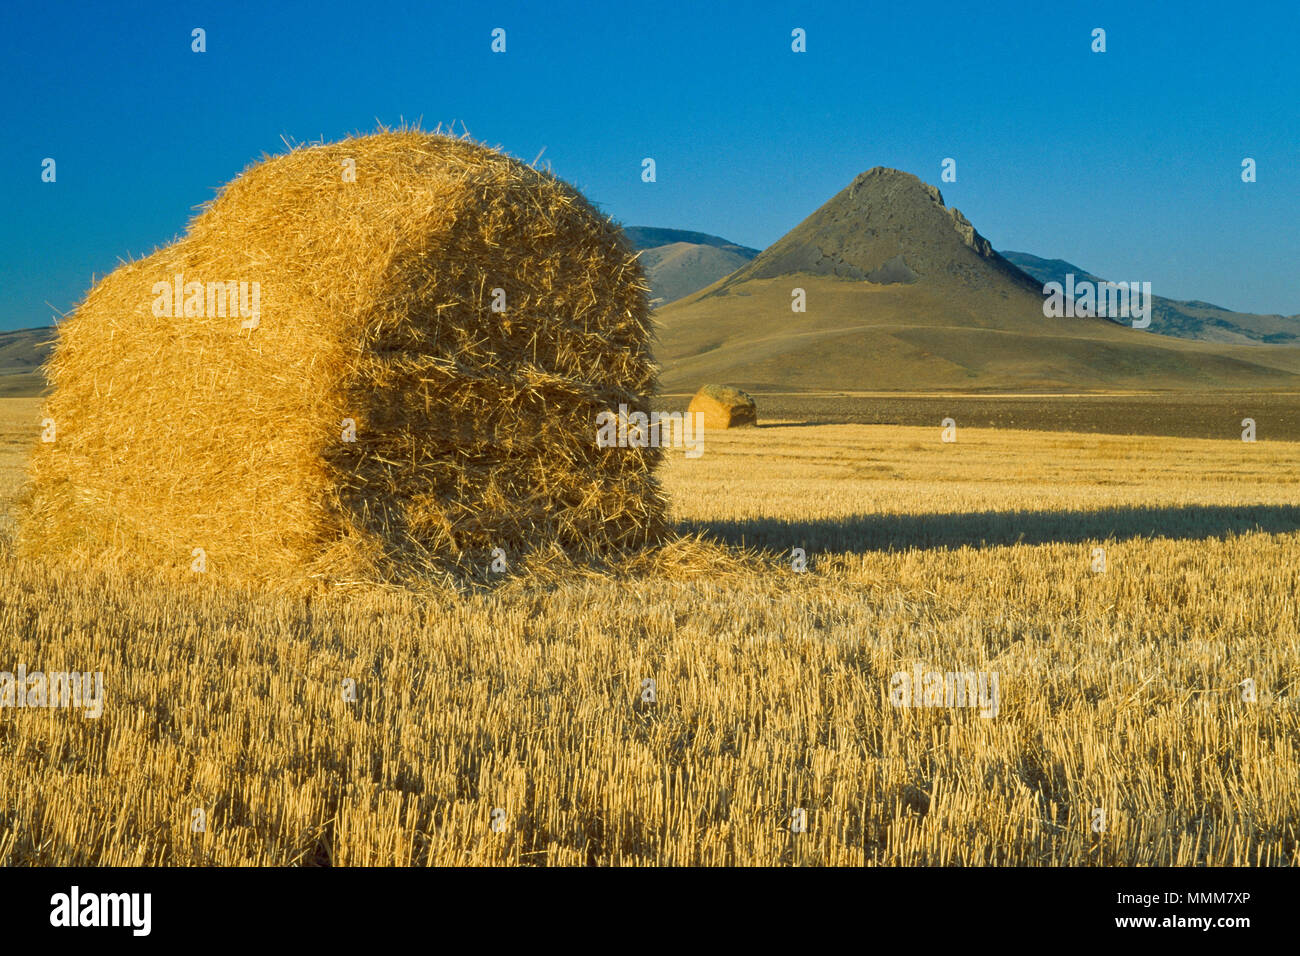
[1119, 690]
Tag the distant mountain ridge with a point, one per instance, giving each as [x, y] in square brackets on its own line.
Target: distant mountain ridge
[886, 227]
[883, 287]
[1191, 319]
[678, 262]
[647, 237]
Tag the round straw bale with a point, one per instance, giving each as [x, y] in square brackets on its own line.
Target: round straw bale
[724, 407]
[374, 357]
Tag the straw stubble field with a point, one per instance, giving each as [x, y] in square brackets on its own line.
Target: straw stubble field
[1118, 690]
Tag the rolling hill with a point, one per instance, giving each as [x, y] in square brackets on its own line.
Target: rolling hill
[22, 353]
[678, 262]
[902, 293]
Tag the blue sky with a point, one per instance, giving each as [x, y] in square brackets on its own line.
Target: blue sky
[1127, 163]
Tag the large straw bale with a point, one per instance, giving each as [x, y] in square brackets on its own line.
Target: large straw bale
[474, 428]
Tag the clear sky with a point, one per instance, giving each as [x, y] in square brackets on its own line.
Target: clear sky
[1127, 163]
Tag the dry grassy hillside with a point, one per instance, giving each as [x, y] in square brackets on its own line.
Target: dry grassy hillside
[22, 352]
[862, 336]
[1118, 690]
[680, 268]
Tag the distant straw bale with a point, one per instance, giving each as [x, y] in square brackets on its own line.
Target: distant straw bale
[378, 358]
[724, 407]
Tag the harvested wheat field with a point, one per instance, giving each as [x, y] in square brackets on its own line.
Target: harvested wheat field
[378, 359]
[516, 724]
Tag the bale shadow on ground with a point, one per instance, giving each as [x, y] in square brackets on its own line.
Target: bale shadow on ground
[860, 534]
